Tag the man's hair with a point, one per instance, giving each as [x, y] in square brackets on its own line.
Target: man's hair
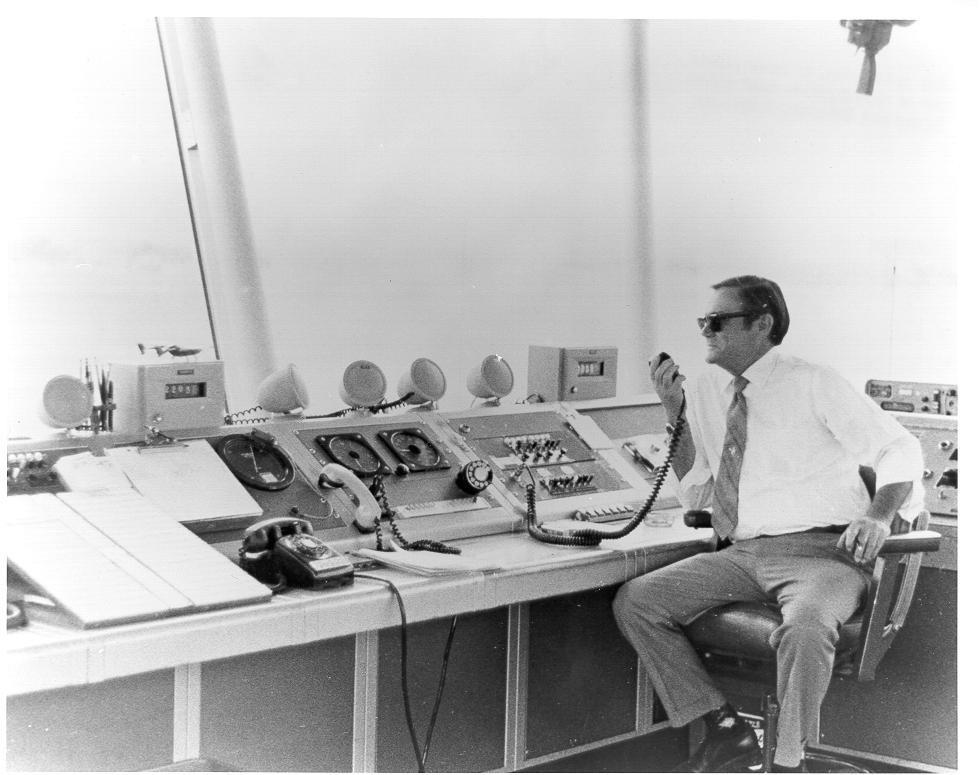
[759, 296]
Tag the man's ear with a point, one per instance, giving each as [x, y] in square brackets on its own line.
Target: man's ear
[766, 321]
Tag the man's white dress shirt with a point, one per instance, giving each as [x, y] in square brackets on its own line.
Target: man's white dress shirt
[808, 430]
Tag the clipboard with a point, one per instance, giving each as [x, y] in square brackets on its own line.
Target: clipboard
[187, 481]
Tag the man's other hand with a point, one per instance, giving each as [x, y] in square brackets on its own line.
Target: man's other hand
[864, 538]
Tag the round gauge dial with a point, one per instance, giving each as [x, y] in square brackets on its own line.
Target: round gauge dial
[414, 449]
[352, 452]
[258, 465]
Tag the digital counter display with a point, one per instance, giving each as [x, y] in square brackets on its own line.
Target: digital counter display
[185, 390]
[590, 368]
[879, 391]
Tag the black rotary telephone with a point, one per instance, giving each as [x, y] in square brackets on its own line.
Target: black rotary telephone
[283, 552]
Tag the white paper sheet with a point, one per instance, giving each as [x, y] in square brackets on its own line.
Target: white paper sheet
[428, 563]
[187, 481]
[85, 472]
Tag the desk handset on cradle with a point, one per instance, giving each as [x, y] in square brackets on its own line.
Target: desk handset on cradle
[366, 508]
[283, 552]
[592, 537]
[371, 505]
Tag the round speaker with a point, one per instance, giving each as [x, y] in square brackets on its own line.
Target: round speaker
[492, 378]
[364, 384]
[425, 380]
[283, 391]
[65, 403]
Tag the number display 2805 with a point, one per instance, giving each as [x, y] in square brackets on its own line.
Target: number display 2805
[185, 389]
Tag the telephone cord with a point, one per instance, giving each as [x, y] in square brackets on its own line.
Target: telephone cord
[392, 405]
[245, 417]
[423, 544]
[382, 407]
[440, 689]
[590, 536]
[421, 754]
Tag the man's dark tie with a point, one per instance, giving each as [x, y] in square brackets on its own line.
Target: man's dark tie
[724, 515]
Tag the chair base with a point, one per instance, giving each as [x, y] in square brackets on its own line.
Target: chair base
[819, 762]
[812, 762]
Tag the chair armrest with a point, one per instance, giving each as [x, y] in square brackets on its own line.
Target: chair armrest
[914, 541]
[697, 518]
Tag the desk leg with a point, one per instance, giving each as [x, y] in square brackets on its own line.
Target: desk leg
[365, 751]
[187, 712]
[515, 734]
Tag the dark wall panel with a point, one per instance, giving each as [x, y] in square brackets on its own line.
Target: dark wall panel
[909, 710]
[582, 673]
[469, 730]
[123, 724]
[286, 710]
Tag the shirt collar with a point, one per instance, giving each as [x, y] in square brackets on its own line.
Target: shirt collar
[760, 371]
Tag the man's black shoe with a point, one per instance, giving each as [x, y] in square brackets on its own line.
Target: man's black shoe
[730, 749]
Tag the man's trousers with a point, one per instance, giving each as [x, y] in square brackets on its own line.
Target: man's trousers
[817, 588]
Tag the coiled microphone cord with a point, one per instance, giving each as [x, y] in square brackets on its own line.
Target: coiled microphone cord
[591, 536]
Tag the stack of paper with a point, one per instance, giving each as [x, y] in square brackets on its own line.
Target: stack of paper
[112, 556]
[186, 480]
[428, 563]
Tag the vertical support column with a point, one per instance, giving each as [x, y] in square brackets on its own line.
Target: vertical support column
[365, 752]
[515, 734]
[643, 267]
[187, 712]
[219, 210]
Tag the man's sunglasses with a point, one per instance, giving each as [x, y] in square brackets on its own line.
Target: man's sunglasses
[713, 320]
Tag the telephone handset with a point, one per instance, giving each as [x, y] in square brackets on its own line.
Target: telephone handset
[284, 551]
[657, 360]
[366, 508]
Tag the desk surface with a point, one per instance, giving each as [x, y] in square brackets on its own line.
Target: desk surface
[42, 656]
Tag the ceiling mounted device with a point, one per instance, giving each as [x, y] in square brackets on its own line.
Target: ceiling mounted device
[872, 35]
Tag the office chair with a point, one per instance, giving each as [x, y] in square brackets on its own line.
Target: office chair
[733, 639]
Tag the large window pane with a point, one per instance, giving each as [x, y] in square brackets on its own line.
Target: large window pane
[437, 188]
[101, 252]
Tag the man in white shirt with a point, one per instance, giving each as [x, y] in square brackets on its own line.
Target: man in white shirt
[773, 444]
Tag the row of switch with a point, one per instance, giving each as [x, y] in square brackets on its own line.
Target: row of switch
[25, 459]
[568, 484]
[21, 462]
[596, 514]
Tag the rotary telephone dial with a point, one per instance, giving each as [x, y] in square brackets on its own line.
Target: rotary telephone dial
[283, 551]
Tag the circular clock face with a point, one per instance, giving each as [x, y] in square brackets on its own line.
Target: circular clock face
[413, 448]
[262, 466]
[353, 452]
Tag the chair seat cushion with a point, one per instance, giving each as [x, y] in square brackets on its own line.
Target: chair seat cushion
[743, 629]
